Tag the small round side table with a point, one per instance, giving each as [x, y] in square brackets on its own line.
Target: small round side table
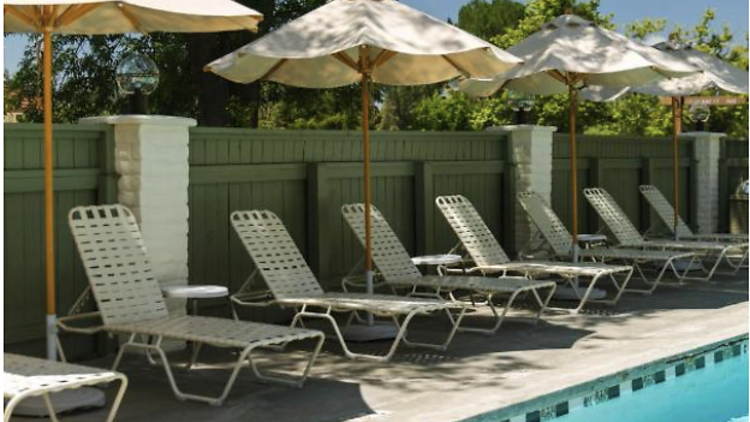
[194, 293]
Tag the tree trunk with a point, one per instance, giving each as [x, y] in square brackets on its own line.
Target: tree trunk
[213, 91]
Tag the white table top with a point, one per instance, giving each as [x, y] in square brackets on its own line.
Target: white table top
[195, 291]
[445, 259]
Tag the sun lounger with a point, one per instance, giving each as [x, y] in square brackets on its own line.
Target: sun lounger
[281, 265]
[25, 377]
[130, 301]
[712, 254]
[489, 258]
[665, 213]
[559, 240]
[397, 269]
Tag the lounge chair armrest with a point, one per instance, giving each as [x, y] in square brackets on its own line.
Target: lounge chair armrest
[64, 323]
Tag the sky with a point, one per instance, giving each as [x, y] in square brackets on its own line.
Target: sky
[685, 12]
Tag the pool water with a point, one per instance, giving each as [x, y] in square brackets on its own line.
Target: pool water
[717, 393]
[709, 384]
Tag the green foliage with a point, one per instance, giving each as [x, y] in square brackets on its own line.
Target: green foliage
[731, 120]
[486, 19]
[539, 12]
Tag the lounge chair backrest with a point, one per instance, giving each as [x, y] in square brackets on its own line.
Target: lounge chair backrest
[547, 222]
[613, 216]
[471, 230]
[388, 253]
[664, 210]
[275, 254]
[116, 263]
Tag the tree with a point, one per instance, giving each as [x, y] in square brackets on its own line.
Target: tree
[486, 19]
[731, 120]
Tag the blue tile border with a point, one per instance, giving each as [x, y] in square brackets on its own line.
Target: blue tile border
[664, 373]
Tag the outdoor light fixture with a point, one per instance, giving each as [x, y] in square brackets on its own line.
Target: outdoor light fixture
[699, 113]
[137, 77]
[520, 103]
[449, 88]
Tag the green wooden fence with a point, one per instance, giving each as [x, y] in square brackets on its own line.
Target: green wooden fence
[620, 165]
[305, 177]
[84, 174]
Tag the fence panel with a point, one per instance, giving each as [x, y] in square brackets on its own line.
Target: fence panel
[620, 165]
[305, 177]
[84, 174]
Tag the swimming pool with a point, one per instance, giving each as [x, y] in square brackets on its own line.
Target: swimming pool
[709, 385]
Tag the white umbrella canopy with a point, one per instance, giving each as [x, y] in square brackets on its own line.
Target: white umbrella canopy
[349, 41]
[322, 49]
[570, 53]
[716, 74]
[97, 17]
[572, 45]
[92, 17]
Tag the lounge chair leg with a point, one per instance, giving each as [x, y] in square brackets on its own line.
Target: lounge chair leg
[50, 408]
[194, 356]
[441, 347]
[300, 381]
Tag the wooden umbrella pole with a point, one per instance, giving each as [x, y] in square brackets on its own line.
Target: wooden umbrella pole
[49, 227]
[365, 70]
[676, 129]
[366, 158]
[573, 97]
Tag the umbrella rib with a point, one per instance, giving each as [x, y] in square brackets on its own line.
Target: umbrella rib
[20, 14]
[383, 57]
[273, 69]
[74, 13]
[345, 59]
[455, 65]
[129, 16]
[558, 75]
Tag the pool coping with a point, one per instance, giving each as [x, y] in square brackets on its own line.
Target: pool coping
[607, 387]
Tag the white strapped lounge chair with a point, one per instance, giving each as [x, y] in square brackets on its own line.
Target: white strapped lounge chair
[25, 377]
[559, 240]
[397, 269]
[712, 254]
[280, 263]
[665, 212]
[130, 301]
[489, 257]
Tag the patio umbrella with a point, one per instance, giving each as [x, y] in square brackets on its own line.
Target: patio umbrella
[716, 75]
[92, 17]
[349, 41]
[570, 53]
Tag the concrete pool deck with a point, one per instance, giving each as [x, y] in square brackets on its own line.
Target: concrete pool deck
[476, 375]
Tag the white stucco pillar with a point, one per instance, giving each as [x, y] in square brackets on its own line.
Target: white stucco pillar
[530, 153]
[151, 157]
[706, 152]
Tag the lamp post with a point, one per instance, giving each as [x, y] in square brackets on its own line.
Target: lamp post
[699, 113]
[521, 104]
[137, 77]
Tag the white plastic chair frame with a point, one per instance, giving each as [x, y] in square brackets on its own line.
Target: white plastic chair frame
[665, 213]
[397, 269]
[551, 230]
[130, 302]
[490, 259]
[281, 265]
[25, 377]
[712, 254]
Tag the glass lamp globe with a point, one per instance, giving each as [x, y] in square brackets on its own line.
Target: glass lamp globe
[137, 72]
[519, 101]
[699, 112]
